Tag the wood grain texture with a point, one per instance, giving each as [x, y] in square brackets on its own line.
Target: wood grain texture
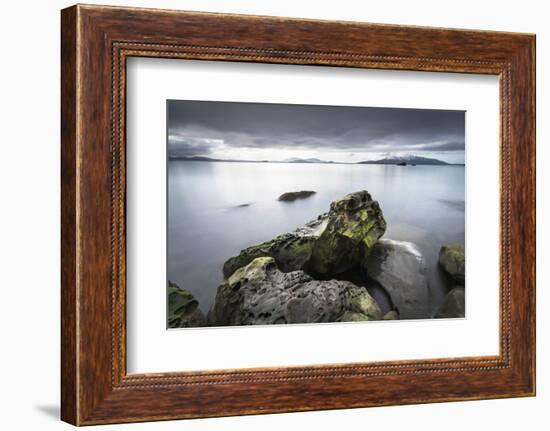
[96, 41]
[69, 397]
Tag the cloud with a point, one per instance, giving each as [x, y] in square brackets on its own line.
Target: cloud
[208, 128]
[187, 146]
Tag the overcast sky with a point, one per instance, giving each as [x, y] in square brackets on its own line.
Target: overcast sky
[276, 132]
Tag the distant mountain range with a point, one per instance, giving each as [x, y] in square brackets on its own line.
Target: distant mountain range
[404, 160]
[392, 160]
[210, 159]
[310, 160]
[201, 159]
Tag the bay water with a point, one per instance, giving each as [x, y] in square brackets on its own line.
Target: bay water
[215, 209]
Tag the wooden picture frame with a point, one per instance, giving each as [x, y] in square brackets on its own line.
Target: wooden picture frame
[95, 43]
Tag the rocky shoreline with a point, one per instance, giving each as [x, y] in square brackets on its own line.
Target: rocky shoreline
[321, 272]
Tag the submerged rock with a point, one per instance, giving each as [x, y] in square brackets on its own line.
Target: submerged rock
[400, 269]
[354, 225]
[454, 305]
[259, 293]
[452, 260]
[183, 309]
[292, 196]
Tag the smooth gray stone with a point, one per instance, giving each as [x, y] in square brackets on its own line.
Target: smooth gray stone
[399, 267]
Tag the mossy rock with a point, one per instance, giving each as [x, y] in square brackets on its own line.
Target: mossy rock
[352, 316]
[452, 260]
[183, 309]
[355, 223]
[260, 294]
[333, 243]
[291, 251]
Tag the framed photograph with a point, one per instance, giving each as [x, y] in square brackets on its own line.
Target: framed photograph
[264, 215]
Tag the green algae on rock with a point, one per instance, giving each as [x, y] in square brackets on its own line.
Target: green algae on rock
[183, 309]
[355, 223]
[333, 243]
[259, 293]
[452, 260]
[290, 250]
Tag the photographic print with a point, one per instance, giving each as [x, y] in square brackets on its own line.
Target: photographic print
[282, 214]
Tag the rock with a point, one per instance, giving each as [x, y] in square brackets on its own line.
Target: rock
[260, 294]
[454, 305]
[333, 243]
[292, 196]
[391, 315]
[400, 269]
[354, 224]
[290, 250]
[183, 309]
[452, 260]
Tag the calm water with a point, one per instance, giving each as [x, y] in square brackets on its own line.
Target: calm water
[207, 225]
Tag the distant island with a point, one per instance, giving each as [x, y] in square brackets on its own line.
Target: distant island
[310, 160]
[392, 160]
[406, 160]
[210, 159]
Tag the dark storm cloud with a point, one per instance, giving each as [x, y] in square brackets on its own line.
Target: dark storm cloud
[200, 128]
